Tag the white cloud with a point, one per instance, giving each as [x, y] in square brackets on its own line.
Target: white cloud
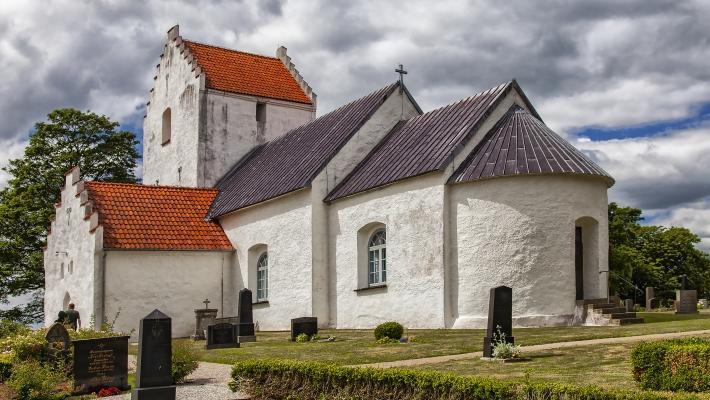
[694, 216]
[9, 150]
[656, 172]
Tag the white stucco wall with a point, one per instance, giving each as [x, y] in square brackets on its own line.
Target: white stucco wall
[519, 232]
[412, 212]
[230, 129]
[175, 282]
[283, 226]
[72, 242]
[176, 87]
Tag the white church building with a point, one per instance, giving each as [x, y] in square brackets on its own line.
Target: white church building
[373, 212]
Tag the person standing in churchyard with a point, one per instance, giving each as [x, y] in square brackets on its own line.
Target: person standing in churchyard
[73, 317]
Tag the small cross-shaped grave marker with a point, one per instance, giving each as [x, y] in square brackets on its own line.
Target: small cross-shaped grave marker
[207, 302]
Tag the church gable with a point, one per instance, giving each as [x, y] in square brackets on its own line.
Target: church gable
[421, 144]
[292, 161]
[521, 144]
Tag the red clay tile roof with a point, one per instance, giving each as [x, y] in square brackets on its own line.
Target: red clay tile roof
[238, 72]
[156, 217]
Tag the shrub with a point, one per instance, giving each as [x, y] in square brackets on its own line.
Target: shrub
[185, 360]
[675, 365]
[11, 328]
[392, 330]
[34, 381]
[505, 350]
[299, 380]
[25, 346]
[5, 367]
[302, 338]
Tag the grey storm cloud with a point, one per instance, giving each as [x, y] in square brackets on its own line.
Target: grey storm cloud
[605, 63]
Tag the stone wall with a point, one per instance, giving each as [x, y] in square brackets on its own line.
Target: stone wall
[174, 282]
[519, 232]
[72, 259]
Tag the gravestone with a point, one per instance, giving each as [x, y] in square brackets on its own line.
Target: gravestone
[100, 363]
[307, 325]
[153, 373]
[246, 317]
[629, 304]
[684, 282]
[500, 319]
[686, 301]
[221, 336]
[58, 341]
[203, 318]
[650, 297]
[615, 300]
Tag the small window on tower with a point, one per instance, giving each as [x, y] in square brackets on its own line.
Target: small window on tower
[260, 119]
[167, 128]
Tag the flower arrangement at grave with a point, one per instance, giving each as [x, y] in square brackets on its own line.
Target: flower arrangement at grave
[503, 350]
[108, 391]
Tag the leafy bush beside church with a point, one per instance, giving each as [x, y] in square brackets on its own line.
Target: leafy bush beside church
[675, 365]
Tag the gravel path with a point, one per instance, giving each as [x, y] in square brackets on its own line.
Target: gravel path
[526, 349]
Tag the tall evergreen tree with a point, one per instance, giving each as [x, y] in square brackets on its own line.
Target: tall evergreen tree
[66, 139]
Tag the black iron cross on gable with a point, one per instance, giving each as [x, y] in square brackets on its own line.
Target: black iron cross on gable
[207, 302]
[401, 73]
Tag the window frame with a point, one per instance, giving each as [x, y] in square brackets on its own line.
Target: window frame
[166, 130]
[377, 258]
[262, 277]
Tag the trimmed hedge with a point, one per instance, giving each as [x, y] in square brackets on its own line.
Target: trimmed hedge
[301, 380]
[675, 365]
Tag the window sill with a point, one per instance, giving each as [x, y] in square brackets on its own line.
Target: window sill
[165, 143]
[373, 287]
[260, 302]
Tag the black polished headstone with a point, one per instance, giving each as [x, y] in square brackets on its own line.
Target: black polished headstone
[307, 325]
[246, 317]
[153, 376]
[220, 336]
[500, 318]
[100, 363]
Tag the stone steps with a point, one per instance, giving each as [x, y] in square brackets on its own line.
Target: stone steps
[611, 312]
[626, 321]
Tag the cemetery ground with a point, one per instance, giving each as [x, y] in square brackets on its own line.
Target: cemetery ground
[354, 347]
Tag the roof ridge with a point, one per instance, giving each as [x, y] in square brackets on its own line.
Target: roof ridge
[90, 183]
[228, 49]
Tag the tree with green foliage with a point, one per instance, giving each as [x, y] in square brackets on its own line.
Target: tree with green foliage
[68, 138]
[642, 256]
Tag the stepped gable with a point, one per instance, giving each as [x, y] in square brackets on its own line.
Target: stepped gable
[139, 217]
[520, 144]
[421, 144]
[293, 160]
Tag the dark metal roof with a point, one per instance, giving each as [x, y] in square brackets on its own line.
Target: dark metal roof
[521, 144]
[292, 161]
[421, 144]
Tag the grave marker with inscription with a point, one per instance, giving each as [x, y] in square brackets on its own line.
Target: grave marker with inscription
[307, 325]
[58, 341]
[100, 363]
[246, 317]
[221, 336]
[500, 319]
[154, 380]
[204, 317]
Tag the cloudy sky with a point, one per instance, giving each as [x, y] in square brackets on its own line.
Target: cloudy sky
[626, 81]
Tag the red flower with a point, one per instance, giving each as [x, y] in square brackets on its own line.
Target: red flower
[109, 391]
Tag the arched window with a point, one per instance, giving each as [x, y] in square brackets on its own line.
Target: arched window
[377, 255]
[167, 126]
[262, 278]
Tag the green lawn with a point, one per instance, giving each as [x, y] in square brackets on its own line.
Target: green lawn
[358, 346]
[602, 365]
